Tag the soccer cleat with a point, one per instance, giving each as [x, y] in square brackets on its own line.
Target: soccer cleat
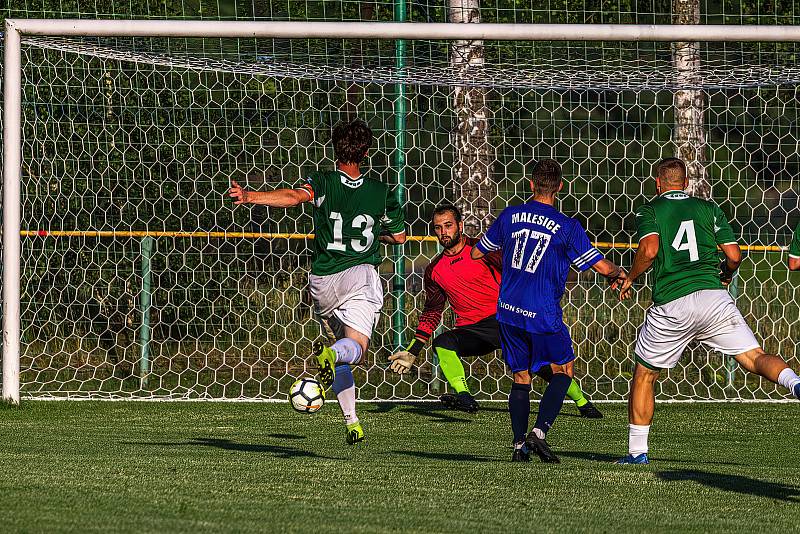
[521, 453]
[326, 361]
[797, 391]
[589, 411]
[639, 459]
[540, 447]
[463, 402]
[355, 434]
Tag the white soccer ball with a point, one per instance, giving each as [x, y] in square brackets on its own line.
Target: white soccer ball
[306, 395]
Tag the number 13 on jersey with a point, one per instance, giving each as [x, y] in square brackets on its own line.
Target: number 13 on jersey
[363, 223]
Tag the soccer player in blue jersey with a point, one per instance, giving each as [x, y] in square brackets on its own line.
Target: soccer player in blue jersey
[539, 244]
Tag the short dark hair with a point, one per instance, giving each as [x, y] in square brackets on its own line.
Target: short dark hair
[444, 208]
[546, 177]
[351, 140]
[671, 170]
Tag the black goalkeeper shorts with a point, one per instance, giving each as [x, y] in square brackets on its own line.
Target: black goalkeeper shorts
[474, 339]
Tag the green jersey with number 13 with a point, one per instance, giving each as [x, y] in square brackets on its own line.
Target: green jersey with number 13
[689, 230]
[349, 215]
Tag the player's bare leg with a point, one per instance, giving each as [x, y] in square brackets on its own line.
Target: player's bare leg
[771, 367]
[641, 406]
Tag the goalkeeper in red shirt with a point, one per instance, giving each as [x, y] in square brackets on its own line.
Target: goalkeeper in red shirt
[472, 288]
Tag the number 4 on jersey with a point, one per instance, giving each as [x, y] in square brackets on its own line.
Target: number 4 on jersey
[686, 240]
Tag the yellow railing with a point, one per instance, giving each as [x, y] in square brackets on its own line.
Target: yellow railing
[265, 235]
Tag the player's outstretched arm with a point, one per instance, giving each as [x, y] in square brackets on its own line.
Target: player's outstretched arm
[615, 274]
[794, 250]
[645, 255]
[728, 266]
[278, 198]
[392, 239]
[435, 300]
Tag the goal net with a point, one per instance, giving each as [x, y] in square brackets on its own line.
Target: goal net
[140, 279]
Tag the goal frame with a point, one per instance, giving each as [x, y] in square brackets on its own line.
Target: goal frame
[12, 105]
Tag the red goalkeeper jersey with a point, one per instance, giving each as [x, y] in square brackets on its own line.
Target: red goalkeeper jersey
[471, 287]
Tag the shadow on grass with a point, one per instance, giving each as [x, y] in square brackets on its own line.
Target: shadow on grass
[611, 458]
[444, 456]
[593, 456]
[278, 451]
[287, 436]
[734, 483]
[436, 412]
[440, 413]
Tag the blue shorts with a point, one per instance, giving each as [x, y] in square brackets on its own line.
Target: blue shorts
[525, 351]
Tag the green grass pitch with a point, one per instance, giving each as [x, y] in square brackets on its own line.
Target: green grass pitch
[254, 467]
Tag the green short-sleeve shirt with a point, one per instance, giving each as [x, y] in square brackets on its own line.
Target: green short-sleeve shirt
[349, 215]
[689, 231]
[794, 247]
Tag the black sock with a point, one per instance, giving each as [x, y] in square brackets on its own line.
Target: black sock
[519, 406]
[552, 400]
[545, 373]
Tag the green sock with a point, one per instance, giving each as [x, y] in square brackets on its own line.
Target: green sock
[453, 369]
[574, 393]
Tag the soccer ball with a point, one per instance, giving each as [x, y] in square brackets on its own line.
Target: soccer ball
[306, 395]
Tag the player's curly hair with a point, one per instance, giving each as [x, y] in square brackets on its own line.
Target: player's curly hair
[351, 140]
[546, 177]
[444, 208]
[671, 170]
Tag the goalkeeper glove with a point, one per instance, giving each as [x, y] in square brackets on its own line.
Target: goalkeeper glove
[725, 272]
[403, 360]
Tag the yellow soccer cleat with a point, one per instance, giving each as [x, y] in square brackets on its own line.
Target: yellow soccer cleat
[355, 434]
[326, 360]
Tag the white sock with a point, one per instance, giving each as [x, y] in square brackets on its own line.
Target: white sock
[539, 433]
[347, 350]
[637, 439]
[788, 379]
[347, 402]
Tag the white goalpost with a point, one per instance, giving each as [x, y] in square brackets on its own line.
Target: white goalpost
[126, 274]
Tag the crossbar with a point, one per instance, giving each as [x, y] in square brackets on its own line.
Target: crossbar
[402, 30]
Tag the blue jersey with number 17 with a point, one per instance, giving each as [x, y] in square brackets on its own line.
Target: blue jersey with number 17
[539, 243]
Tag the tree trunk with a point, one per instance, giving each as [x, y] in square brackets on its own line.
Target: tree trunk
[690, 135]
[473, 188]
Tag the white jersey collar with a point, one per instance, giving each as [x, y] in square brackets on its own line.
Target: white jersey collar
[350, 182]
[675, 194]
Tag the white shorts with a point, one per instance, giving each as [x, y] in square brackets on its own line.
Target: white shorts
[709, 316]
[353, 297]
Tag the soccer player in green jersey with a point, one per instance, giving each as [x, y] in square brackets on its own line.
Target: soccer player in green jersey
[679, 237]
[794, 250]
[353, 213]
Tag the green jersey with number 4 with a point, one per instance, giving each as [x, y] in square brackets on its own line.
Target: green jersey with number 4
[794, 247]
[689, 230]
[348, 218]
